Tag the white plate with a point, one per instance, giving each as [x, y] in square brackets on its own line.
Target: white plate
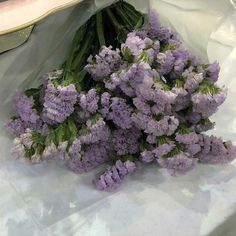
[16, 15]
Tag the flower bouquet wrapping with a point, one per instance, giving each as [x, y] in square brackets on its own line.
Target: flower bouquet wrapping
[130, 94]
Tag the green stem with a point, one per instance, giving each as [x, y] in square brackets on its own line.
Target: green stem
[79, 36]
[125, 18]
[100, 29]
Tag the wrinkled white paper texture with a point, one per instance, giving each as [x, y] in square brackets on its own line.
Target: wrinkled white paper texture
[49, 200]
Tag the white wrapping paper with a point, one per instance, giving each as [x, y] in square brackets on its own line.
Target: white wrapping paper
[49, 200]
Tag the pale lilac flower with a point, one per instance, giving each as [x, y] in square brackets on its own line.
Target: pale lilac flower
[58, 103]
[93, 156]
[213, 71]
[15, 126]
[120, 113]
[141, 105]
[106, 62]
[97, 130]
[165, 62]
[140, 120]
[192, 83]
[193, 149]
[50, 151]
[215, 151]
[178, 165]
[166, 126]
[126, 141]
[182, 100]
[163, 149]
[207, 104]
[105, 103]
[147, 156]
[89, 101]
[24, 108]
[188, 139]
[115, 175]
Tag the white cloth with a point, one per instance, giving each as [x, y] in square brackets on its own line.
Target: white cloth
[49, 200]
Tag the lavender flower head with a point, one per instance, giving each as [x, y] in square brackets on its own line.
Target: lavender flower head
[178, 165]
[106, 62]
[213, 71]
[89, 101]
[24, 108]
[115, 175]
[207, 103]
[58, 103]
[187, 138]
[165, 62]
[147, 156]
[126, 141]
[93, 156]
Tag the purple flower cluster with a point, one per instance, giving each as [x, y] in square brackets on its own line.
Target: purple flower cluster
[58, 103]
[115, 175]
[148, 102]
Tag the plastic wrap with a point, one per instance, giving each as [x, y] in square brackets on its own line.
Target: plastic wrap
[47, 199]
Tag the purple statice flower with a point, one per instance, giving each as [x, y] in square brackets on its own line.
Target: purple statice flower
[105, 103]
[213, 71]
[164, 100]
[24, 108]
[163, 149]
[193, 149]
[133, 44]
[182, 100]
[97, 130]
[89, 101]
[179, 164]
[165, 62]
[120, 113]
[140, 120]
[166, 126]
[188, 138]
[93, 156]
[106, 62]
[192, 82]
[147, 156]
[126, 141]
[112, 178]
[204, 126]
[144, 90]
[129, 79]
[155, 30]
[216, 151]
[141, 105]
[206, 103]
[181, 59]
[152, 139]
[58, 103]
[15, 127]
[75, 149]
[193, 117]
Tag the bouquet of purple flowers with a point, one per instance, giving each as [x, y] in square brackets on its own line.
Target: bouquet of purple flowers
[129, 95]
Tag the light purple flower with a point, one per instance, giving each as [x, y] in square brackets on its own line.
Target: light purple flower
[120, 113]
[15, 127]
[115, 175]
[58, 103]
[106, 62]
[192, 83]
[147, 156]
[207, 104]
[89, 101]
[182, 100]
[189, 138]
[163, 149]
[93, 156]
[140, 120]
[165, 62]
[126, 141]
[24, 108]
[178, 165]
[213, 71]
[141, 105]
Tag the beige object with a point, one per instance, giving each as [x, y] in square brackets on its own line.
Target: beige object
[16, 15]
